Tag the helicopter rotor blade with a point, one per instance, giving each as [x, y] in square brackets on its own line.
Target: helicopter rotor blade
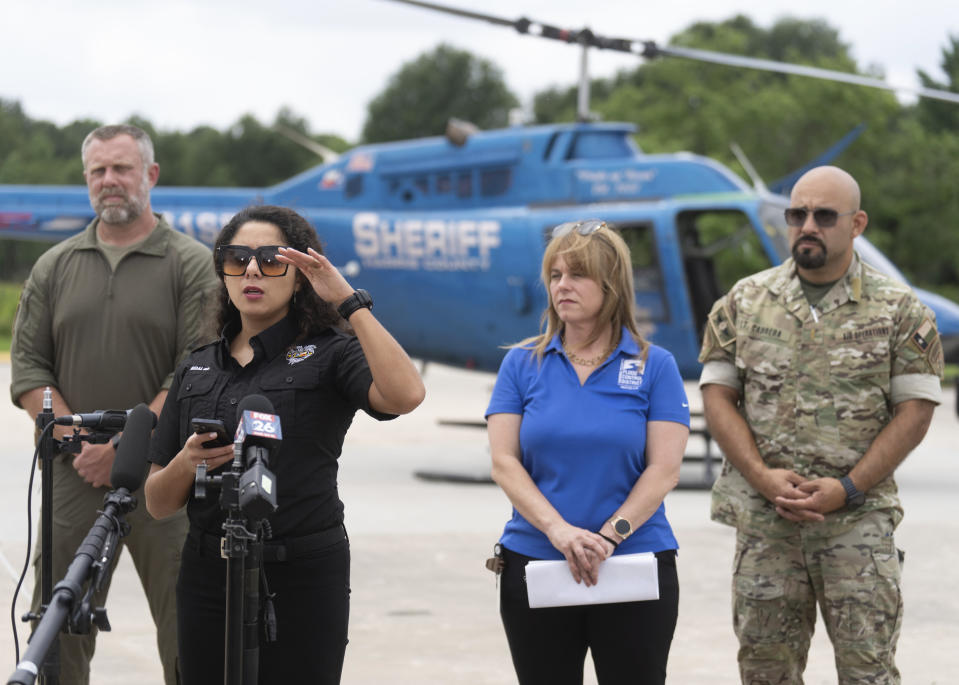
[798, 70]
[650, 50]
[459, 12]
[323, 152]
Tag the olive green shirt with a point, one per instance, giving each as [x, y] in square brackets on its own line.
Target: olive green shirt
[817, 385]
[110, 338]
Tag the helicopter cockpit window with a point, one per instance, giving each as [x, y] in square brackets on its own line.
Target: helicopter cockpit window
[719, 247]
[599, 145]
[494, 182]
[464, 185]
[354, 185]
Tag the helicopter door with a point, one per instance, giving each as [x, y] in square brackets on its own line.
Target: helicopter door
[719, 247]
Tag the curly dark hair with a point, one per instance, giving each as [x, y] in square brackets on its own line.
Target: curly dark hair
[311, 313]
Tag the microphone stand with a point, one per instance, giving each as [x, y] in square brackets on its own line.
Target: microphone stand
[96, 552]
[243, 551]
[50, 668]
[50, 673]
[242, 653]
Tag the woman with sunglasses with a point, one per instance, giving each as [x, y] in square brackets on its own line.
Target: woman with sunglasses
[294, 331]
[587, 427]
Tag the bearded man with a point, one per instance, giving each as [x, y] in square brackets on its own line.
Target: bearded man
[103, 320]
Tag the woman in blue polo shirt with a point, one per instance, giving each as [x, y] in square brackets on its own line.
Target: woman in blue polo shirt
[587, 427]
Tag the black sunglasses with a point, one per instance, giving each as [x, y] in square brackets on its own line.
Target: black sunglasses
[234, 259]
[585, 227]
[823, 216]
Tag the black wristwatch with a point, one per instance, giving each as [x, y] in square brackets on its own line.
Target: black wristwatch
[854, 497]
[359, 299]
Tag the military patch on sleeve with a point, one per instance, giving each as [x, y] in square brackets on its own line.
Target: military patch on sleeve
[935, 357]
[924, 336]
[721, 325]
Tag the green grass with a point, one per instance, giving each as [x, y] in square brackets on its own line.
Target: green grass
[9, 296]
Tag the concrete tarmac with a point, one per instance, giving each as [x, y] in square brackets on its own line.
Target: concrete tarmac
[424, 608]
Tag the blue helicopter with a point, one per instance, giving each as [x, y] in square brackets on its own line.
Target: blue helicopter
[448, 232]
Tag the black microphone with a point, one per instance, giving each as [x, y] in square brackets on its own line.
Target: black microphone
[130, 465]
[105, 419]
[258, 436]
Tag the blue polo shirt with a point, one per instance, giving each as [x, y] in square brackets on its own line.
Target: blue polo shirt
[585, 445]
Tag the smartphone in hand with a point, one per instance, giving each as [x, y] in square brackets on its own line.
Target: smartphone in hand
[203, 426]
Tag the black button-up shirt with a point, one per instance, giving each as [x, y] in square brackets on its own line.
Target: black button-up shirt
[315, 387]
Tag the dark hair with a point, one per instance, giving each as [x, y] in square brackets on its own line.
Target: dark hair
[311, 313]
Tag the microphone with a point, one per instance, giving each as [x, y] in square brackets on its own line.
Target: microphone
[130, 465]
[257, 425]
[105, 419]
[258, 436]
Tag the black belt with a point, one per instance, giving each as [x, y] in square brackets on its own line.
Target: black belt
[277, 550]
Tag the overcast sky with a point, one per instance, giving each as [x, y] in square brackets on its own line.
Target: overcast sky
[182, 63]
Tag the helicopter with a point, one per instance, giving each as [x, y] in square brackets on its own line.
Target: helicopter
[448, 232]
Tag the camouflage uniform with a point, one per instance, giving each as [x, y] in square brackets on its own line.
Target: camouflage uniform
[817, 385]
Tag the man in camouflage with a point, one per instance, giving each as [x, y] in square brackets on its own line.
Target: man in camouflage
[820, 376]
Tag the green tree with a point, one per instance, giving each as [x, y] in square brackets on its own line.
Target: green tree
[912, 204]
[426, 92]
[937, 115]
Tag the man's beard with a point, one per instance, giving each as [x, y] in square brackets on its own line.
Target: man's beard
[123, 213]
[809, 260]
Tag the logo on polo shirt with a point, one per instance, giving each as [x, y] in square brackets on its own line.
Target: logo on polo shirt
[199, 368]
[631, 373]
[299, 353]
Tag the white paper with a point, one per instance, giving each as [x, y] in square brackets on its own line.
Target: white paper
[624, 578]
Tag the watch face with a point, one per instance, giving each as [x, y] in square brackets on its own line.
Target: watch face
[622, 527]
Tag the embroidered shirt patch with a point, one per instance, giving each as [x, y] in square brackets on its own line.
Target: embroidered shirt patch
[631, 373]
[299, 353]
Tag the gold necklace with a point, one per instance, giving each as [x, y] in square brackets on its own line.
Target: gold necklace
[588, 362]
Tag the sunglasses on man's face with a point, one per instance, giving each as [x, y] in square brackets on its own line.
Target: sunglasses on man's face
[582, 227]
[234, 260]
[823, 216]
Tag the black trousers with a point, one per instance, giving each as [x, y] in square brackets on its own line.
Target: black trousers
[629, 641]
[312, 606]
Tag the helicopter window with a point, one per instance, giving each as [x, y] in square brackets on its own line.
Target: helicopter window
[354, 185]
[647, 276]
[443, 184]
[464, 185]
[494, 182]
[599, 145]
[549, 145]
[422, 184]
